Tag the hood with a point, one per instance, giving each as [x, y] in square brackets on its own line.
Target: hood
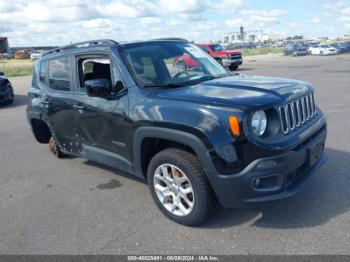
[239, 91]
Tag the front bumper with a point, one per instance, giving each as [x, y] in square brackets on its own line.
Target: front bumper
[272, 178]
[230, 62]
[328, 52]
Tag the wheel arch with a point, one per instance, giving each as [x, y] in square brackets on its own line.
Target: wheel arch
[185, 140]
[40, 130]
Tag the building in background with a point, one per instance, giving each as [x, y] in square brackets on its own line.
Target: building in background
[252, 36]
[4, 45]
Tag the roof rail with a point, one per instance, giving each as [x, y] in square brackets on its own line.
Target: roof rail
[82, 44]
[173, 39]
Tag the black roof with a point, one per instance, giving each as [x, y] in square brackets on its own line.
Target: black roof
[104, 42]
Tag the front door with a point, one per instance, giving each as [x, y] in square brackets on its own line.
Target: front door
[102, 123]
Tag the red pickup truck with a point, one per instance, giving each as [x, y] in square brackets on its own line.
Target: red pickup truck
[230, 59]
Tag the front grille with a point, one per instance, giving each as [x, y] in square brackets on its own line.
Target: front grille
[297, 112]
[236, 56]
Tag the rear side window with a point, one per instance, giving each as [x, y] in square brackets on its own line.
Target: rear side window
[59, 74]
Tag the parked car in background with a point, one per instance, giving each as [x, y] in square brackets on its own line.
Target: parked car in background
[36, 54]
[341, 48]
[322, 49]
[22, 54]
[230, 59]
[295, 50]
[6, 90]
[8, 55]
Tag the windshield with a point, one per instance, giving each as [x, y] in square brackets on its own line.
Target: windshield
[217, 48]
[170, 64]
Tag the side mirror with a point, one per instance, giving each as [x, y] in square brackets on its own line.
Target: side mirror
[98, 87]
[2, 73]
[119, 87]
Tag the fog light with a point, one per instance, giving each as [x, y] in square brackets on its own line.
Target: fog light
[268, 183]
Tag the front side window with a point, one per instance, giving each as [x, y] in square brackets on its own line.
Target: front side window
[59, 74]
[170, 64]
[95, 67]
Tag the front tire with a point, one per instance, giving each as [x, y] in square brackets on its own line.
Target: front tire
[233, 67]
[180, 187]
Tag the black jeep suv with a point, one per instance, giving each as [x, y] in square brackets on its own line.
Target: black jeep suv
[197, 135]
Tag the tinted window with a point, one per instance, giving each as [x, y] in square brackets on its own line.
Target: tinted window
[59, 78]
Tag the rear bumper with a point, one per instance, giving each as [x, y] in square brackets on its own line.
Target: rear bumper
[271, 178]
[232, 62]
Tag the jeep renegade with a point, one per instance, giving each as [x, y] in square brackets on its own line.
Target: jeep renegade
[197, 134]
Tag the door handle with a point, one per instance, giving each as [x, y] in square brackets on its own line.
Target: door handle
[78, 107]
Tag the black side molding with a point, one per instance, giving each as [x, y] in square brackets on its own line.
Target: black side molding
[107, 158]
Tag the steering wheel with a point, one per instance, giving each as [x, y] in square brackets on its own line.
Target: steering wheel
[177, 75]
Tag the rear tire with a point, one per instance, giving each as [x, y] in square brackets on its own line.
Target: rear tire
[173, 172]
[321, 53]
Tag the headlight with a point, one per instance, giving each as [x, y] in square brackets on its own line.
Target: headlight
[259, 123]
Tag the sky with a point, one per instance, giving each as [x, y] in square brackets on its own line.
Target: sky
[59, 22]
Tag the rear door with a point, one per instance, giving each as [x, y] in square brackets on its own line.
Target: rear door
[56, 99]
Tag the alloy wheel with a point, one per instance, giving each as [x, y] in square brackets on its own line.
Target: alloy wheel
[173, 189]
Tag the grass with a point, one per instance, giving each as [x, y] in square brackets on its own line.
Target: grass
[14, 67]
[261, 51]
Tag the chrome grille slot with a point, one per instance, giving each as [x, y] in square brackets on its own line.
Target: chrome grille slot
[297, 112]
